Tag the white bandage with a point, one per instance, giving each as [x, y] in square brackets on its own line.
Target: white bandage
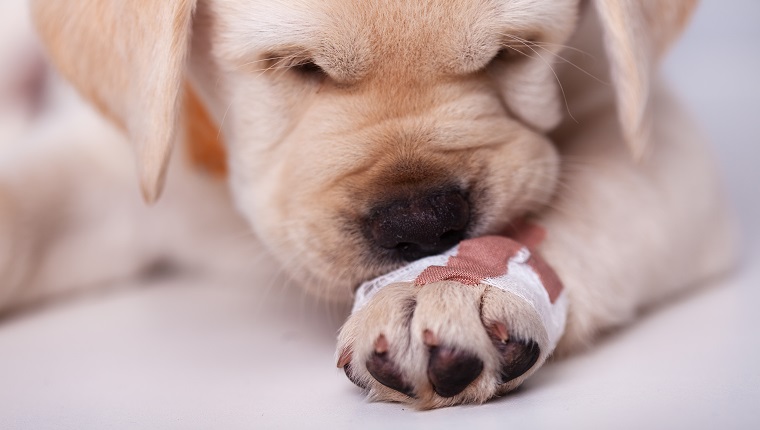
[520, 280]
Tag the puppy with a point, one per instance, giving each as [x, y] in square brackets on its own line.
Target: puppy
[356, 136]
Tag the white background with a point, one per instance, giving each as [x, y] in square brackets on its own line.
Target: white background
[221, 354]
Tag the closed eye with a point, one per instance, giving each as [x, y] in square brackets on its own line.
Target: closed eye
[308, 69]
[295, 63]
[504, 54]
[515, 48]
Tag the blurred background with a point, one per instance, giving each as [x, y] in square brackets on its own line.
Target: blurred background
[201, 353]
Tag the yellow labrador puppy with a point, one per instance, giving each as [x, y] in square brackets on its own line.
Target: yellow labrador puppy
[359, 135]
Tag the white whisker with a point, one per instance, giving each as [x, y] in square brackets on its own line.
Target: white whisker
[559, 82]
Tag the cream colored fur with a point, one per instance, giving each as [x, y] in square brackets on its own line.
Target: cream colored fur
[412, 94]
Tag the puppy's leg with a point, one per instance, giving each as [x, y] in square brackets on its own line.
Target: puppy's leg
[71, 216]
[442, 344]
[620, 235]
[59, 186]
[623, 235]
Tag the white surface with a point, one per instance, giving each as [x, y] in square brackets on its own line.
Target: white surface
[226, 354]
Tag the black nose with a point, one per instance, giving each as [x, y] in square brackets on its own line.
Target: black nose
[422, 225]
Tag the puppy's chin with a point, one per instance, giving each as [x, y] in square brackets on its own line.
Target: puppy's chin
[317, 226]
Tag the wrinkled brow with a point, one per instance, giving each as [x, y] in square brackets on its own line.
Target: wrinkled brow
[268, 25]
[295, 29]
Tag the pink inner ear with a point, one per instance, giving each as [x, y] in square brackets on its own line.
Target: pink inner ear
[477, 259]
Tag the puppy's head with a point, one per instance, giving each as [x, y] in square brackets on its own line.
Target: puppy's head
[359, 134]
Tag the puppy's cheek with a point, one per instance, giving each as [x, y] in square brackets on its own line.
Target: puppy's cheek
[262, 200]
[540, 173]
[298, 222]
[253, 200]
[517, 179]
[312, 246]
[520, 85]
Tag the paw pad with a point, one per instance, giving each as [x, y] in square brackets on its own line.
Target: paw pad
[450, 371]
[382, 368]
[461, 327]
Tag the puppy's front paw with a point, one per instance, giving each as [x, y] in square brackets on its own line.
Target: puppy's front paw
[460, 327]
[442, 343]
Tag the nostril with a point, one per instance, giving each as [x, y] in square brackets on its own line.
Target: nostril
[422, 225]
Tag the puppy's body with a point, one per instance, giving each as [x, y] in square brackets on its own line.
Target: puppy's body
[412, 102]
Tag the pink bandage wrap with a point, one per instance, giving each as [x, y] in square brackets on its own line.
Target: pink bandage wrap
[497, 261]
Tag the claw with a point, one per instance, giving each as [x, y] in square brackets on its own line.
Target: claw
[381, 345]
[498, 331]
[429, 338]
[345, 358]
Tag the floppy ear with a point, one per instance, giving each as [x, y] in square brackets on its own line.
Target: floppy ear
[128, 58]
[637, 33]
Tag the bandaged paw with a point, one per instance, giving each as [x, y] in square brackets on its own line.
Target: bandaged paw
[459, 327]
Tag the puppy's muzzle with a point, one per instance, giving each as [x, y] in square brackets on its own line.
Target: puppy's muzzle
[420, 225]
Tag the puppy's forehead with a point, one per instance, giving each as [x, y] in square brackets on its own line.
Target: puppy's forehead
[361, 32]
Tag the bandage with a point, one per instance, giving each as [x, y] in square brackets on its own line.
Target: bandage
[496, 261]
